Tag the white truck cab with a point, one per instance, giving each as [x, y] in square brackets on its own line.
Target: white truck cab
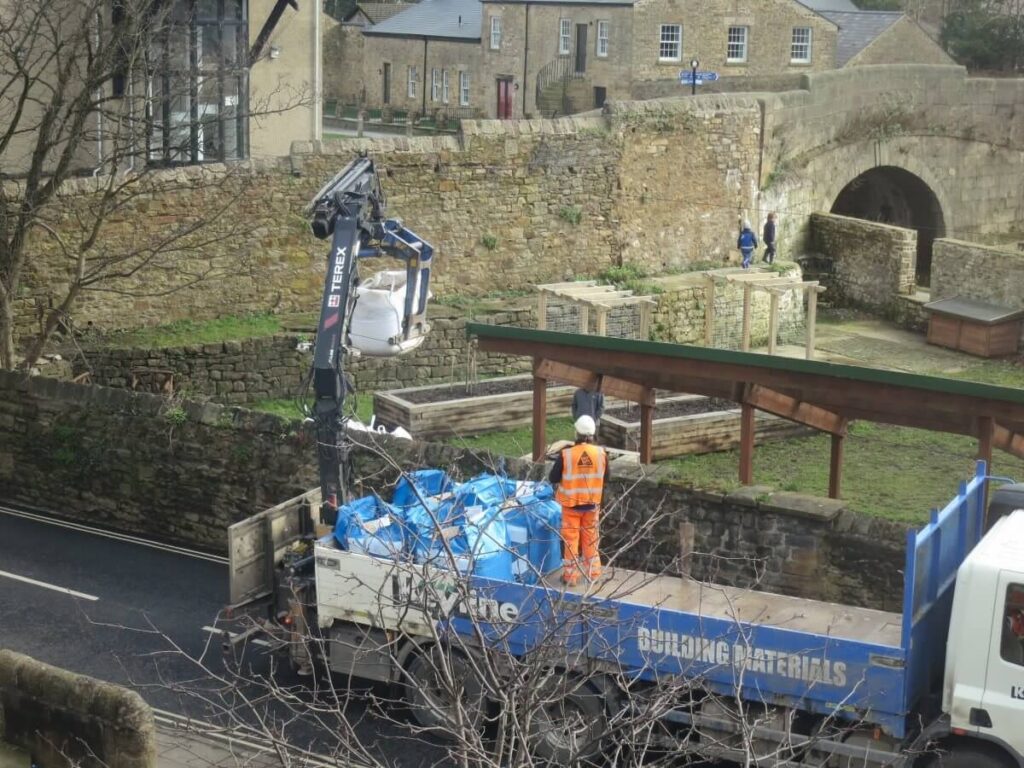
[983, 692]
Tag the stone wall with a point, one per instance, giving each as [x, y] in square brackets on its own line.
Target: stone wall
[62, 719]
[250, 370]
[343, 55]
[126, 460]
[976, 271]
[905, 42]
[871, 264]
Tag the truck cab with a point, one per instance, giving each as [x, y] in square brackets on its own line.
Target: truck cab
[984, 677]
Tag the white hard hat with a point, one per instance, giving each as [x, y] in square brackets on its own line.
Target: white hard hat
[746, 224]
[585, 426]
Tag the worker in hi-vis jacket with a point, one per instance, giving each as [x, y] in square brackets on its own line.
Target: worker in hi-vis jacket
[580, 472]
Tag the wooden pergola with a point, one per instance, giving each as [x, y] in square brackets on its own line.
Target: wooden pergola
[825, 396]
[589, 296]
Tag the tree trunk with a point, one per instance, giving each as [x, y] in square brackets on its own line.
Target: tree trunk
[53, 319]
[6, 333]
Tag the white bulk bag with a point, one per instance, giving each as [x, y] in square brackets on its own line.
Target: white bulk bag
[377, 317]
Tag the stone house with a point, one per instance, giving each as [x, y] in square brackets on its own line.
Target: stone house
[515, 58]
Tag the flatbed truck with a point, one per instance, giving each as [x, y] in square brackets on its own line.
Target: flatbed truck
[806, 682]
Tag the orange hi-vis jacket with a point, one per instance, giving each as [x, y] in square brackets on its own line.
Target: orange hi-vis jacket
[583, 468]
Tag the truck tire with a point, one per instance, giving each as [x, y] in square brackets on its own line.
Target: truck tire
[569, 725]
[442, 692]
[971, 755]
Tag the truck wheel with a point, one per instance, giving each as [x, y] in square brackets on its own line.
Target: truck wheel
[971, 756]
[568, 727]
[442, 691]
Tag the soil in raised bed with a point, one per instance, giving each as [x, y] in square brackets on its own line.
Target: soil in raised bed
[459, 391]
[674, 408]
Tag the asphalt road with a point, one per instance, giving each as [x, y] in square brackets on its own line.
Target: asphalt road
[121, 611]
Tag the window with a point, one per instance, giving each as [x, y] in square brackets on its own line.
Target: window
[444, 86]
[495, 32]
[198, 84]
[671, 45]
[435, 84]
[1011, 645]
[464, 89]
[564, 36]
[602, 38]
[737, 50]
[800, 49]
[413, 76]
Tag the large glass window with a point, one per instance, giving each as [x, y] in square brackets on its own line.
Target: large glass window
[736, 52]
[411, 83]
[671, 45]
[198, 83]
[435, 84]
[464, 89]
[800, 48]
[564, 36]
[1012, 642]
[495, 32]
[444, 86]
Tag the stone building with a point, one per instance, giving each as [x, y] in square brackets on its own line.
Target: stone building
[515, 58]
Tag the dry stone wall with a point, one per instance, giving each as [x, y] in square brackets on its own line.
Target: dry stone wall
[126, 460]
[872, 264]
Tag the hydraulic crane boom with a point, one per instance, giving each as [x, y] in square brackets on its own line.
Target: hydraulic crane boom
[350, 210]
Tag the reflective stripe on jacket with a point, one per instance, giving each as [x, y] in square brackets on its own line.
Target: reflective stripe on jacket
[583, 468]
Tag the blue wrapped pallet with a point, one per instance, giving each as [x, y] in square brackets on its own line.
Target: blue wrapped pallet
[370, 526]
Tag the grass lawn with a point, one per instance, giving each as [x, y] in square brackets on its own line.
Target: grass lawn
[891, 472]
[184, 332]
[288, 408]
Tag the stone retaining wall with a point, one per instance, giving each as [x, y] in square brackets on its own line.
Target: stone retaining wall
[872, 264]
[126, 460]
[62, 719]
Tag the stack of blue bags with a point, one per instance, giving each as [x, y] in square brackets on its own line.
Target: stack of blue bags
[490, 526]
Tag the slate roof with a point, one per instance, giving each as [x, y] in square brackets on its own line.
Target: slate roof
[434, 18]
[857, 30]
[562, 2]
[378, 12]
[830, 5]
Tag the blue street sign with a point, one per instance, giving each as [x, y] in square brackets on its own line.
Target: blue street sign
[686, 77]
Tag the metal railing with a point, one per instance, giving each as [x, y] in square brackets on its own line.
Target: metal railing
[561, 70]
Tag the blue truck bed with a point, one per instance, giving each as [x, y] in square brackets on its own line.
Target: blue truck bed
[854, 663]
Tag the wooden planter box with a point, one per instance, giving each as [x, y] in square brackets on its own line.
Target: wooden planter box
[695, 433]
[974, 327]
[469, 415]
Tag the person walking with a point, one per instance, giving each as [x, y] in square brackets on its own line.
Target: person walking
[589, 401]
[769, 239]
[747, 242]
[580, 471]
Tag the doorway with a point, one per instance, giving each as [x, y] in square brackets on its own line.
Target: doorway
[600, 96]
[504, 98]
[581, 48]
[387, 83]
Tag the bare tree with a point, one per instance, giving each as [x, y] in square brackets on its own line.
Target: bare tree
[97, 98]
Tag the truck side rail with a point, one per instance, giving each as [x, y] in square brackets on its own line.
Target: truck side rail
[257, 543]
[934, 554]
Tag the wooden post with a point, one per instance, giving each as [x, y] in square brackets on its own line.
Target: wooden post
[646, 436]
[601, 322]
[812, 319]
[540, 413]
[835, 467]
[687, 535]
[709, 311]
[584, 318]
[745, 341]
[747, 444]
[773, 322]
[542, 311]
[645, 321]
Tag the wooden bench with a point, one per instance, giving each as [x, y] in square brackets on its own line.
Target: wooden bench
[975, 327]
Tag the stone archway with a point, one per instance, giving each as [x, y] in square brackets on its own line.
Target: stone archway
[893, 195]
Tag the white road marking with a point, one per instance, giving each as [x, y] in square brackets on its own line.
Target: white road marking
[112, 535]
[215, 631]
[54, 587]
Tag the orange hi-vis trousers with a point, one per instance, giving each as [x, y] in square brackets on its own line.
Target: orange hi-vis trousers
[580, 535]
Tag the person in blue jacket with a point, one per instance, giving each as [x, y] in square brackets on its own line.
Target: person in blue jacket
[747, 242]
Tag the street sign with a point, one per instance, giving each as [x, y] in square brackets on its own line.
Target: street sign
[686, 77]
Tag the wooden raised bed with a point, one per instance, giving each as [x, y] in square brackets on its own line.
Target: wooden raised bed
[464, 414]
[717, 430]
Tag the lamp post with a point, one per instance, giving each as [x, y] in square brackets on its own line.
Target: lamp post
[693, 83]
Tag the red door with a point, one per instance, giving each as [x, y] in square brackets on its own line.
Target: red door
[504, 98]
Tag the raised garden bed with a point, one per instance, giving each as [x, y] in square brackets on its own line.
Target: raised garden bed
[444, 410]
[688, 424]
